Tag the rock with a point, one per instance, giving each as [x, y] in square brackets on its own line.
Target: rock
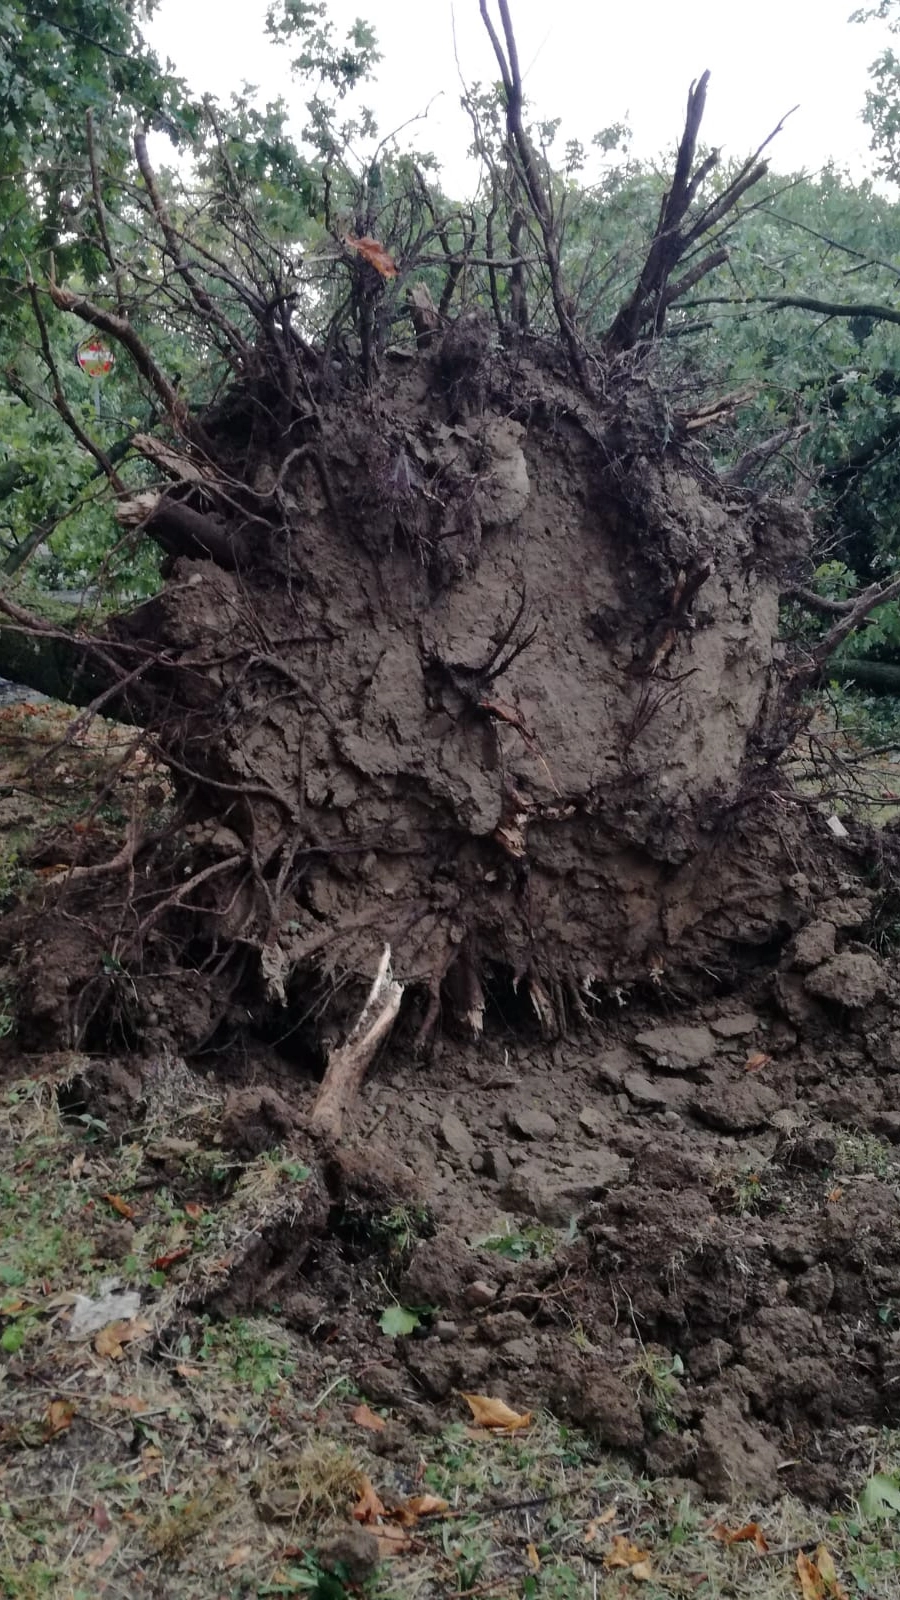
[477, 1162]
[613, 1065]
[814, 944]
[354, 1550]
[734, 1458]
[254, 1120]
[445, 1331]
[735, 1107]
[853, 979]
[678, 1046]
[532, 1124]
[479, 1293]
[657, 1093]
[850, 912]
[384, 1385]
[456, 1136]
[593, 1120]
[734, 1027]
[555, 1195]
[497, 1164]
[503, 1325]
[708, 1360]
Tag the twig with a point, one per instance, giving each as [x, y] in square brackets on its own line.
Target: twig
[347, 1066]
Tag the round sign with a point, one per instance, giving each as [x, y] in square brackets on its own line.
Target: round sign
[95, 358]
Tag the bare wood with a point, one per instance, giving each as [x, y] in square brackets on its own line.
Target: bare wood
[347, 1065]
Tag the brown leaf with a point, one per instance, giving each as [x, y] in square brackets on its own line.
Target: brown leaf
[408, 1512]
[622, 1553]
[828, 1573]
[364, 1418]
[756, 1061]
[834, 1195]
[751, 1533]
[596, 1523]
[99, 1557]
[193, 1210]
[812, 1584]
[128, 1402]
[59, 1417]
[534, 1559]
[109, 1340]
[391, 1539]
[369, 1507]
[490, 1413]
[120, 1205]
[374, 253]
[185, 1371]
[642, 1571]
[238, 1556]
[101, 1517]
[162, 1263]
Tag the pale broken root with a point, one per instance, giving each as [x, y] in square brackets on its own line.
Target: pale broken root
[348, 1064]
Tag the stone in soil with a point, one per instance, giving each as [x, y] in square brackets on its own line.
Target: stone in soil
[854, 978]
[814, 944]
[735, 1026]
[554, 1195]
[532, 1124]
[659, 1093]
[736, 1107]
[678, 1047]
[456, 1136]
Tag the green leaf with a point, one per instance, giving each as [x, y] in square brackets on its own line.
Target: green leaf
[396, 1321]
[12, 1339]
[880, 1497]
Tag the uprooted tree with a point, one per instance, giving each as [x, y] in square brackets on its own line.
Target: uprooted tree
[465, 668]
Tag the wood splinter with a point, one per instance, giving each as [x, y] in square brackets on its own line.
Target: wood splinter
[347, 1066]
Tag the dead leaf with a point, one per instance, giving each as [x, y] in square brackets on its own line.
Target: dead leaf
[642, 1571]
[756, 1061]
[101, 1517]
[490, 1413]
[77, 1164]
[834, 1195]
[391, 1539]
[750, 1533]
[162, 1263]
[368, 1507]
[609, 1515]
[193, 1210]
[109, 1340]
[128, 1402]
[419, 1505]
[364, 1418]
[120, 1205]
[622, 1553]
[812, 1584]
[374, 253]
[238, 1556]
[188, 1372]
[534, 1559]
[99, 1557]
[59, 1417]
[828, 1573]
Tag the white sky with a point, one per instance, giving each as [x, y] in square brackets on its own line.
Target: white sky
[587, 62]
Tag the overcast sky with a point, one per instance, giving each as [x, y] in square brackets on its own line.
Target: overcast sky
[588, 62]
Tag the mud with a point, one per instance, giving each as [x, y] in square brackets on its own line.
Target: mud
[677, 1231]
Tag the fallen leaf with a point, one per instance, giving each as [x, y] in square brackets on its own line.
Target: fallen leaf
[59, 1416]
[238, 1556]
[109, 1340]
[128, 1402]
[120, 1205]
[642, 1571]
[409, 1511]
[99, 1557]
[834, 1195]
[162, 1263]
[534, 1559]
[622, 1553]
[496, 1413]
[880, 1496]
[391, 1540]
[756, 1061]
[374, 253]
[368, 1507]
[812, 1584]
[751, 1533]
[188, 1372]
[101, 1517]
[364, 1418]
[193, 1210]
[828, 1573]
[609, 1515]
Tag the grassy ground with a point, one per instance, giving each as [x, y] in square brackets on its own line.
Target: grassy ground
[208, 1457]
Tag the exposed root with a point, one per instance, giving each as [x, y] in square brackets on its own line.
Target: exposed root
[347, 1066]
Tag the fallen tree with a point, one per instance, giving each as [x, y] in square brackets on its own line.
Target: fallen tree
[466, 665]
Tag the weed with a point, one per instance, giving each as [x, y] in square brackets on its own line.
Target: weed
[246, 1354]
[522, 1244]
[656, 1375]
[861, 1152]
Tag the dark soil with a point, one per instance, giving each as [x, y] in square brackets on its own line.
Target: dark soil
[693, 1215]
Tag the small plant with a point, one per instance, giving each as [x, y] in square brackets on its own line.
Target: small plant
[523, 1244]
[250, 1357]
[861, 1152]
[657, 1374]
